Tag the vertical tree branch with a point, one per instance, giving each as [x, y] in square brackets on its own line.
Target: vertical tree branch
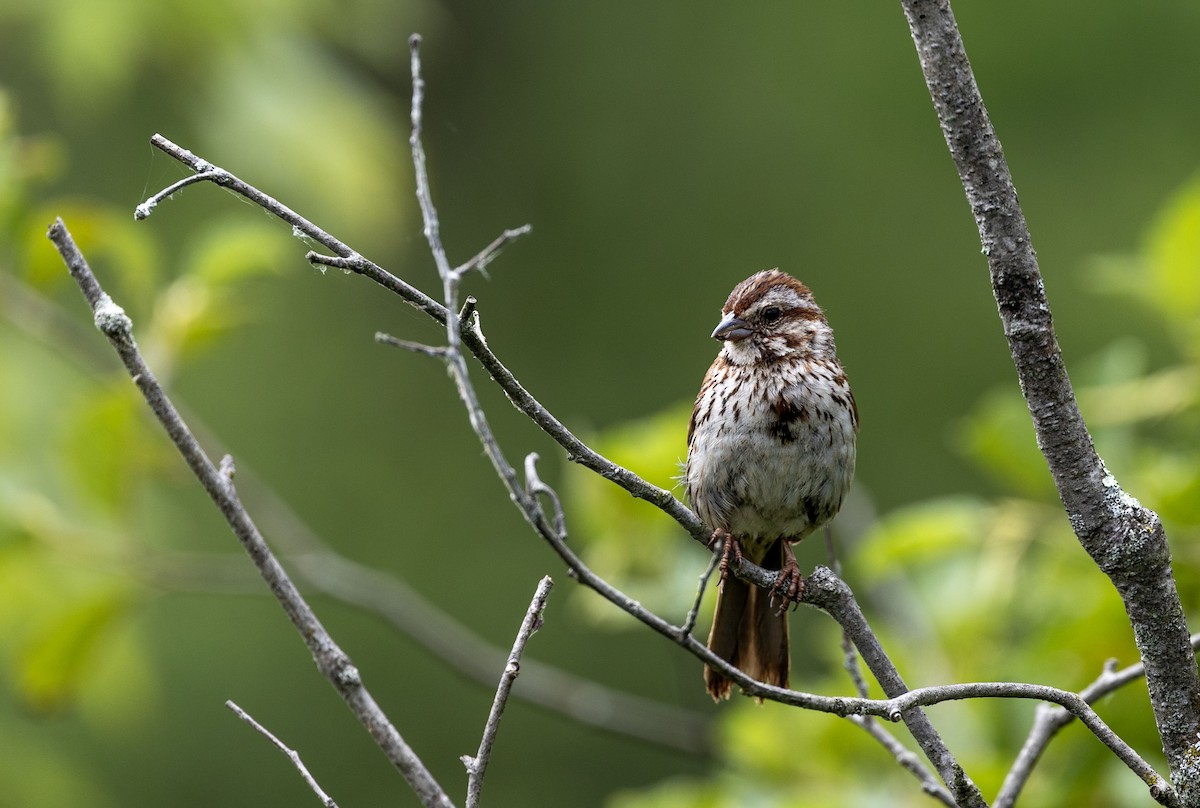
[1125, 539]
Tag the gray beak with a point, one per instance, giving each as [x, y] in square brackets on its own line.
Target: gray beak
[733, 328]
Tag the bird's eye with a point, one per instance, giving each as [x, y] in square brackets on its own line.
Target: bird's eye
[771, 314]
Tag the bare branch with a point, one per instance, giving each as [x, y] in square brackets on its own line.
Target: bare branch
[143, 210]
[905, 758]
[1049, 719]
[477, 766]
[830, 593]
[436, 351]
[535, 488]
[330, 659]
[1160, 790]
[693, 614]
[485, 256]
[1125, 539]
[292, 754]
[472, 338]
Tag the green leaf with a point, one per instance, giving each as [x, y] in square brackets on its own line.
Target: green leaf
[55, 662]
[998, 435]
[123, 255]
[203, 303]
[1173, 258]
[926, 532]
[625, 539]
[108, 447]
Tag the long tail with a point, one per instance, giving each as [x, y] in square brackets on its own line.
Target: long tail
[749, 633]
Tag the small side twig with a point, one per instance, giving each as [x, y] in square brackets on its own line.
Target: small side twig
[435, 351]
[477, 766]
[485, 256]
[689, 622]
[535, 488]
[292, 754]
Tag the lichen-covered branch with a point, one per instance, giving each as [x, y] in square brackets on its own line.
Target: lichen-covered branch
[1125, 539]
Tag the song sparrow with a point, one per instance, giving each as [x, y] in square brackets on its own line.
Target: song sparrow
[770, 458]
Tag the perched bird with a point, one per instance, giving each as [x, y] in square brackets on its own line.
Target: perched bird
[771, 448]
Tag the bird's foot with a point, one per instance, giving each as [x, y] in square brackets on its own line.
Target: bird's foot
[789, 585]
[731, 552]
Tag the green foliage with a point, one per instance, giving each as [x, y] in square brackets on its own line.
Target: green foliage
[632, 545]
[80, 460]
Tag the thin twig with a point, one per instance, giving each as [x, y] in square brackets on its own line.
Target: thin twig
[436, 351]
[450, 283]
[689, 622]
[1160, 789]
[907, 759]
[292, 754]
[472, 338]
[485, 256]
[330, 659]
[477, 766]
[535, 488]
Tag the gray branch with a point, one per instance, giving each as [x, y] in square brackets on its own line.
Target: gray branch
[1124, 538]
[477, 766]
[331, 660]
[291, 754]
[1050, 719]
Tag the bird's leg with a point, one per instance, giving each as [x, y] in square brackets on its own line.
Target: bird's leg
[789, 586]
[731, 552]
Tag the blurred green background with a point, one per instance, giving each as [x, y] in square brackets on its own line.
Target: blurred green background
[662, 152]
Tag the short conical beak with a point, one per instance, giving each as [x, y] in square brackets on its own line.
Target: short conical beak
[733, 328]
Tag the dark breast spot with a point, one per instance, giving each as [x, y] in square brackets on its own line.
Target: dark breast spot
[787, 416]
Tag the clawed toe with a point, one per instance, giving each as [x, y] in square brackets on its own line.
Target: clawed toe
[789, 586]
[731, 553]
